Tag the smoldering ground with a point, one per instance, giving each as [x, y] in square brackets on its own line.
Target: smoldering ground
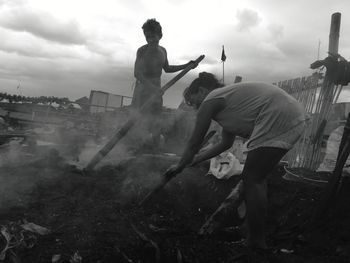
[20, 173]
[23, 168]
[97, 215]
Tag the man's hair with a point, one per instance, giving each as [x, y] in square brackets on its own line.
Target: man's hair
[152, 25]
[205, 80]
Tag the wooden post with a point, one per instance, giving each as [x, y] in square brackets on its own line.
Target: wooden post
[333, 44]
[333, 47]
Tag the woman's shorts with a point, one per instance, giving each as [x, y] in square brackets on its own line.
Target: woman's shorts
[285, 140]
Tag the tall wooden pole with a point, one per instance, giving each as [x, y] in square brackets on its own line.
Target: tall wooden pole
[334, 34]
[223, 72]
[333, 46]
[223, 58]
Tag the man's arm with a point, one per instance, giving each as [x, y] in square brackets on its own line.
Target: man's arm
[226, 142]
[174, 68]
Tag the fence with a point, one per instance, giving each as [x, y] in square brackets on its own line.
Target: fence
[101, 101]
[318, 97]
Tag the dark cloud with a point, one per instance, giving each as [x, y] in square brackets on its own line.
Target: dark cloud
[26, 45]
[43, 25]
[45, 77]
[247, 19]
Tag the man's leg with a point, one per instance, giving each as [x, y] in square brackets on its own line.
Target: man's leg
[259, 163]
[155, 124]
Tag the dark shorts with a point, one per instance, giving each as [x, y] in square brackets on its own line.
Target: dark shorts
[150, 101]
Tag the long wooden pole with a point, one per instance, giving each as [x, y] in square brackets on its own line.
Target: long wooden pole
[130, 123]
[333, 44]
[223, 72]
[165, 179]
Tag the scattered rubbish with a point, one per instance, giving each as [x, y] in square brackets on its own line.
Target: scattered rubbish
[233, 200]
[242, 210]
[179, 256]
[343, 251]
[144, 238]
[225, 165]
[287, 251]
[125, 257]
[56, 258]
[76, 258]
[19, 235]
[5, 242]
[34, 228]
[158, 229]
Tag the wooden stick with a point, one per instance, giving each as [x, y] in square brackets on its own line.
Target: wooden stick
[130, 123]
[233, 200]
[334, 182]
[165, 179]
[346, 134]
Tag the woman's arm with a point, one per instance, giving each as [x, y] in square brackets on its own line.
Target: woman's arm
[225, 144]
[205, 113]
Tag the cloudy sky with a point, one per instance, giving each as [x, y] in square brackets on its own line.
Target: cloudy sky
[66, 48]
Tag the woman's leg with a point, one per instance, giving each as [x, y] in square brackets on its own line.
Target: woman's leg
[259, 163]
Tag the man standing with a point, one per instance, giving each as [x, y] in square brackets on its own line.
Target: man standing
[151, 59]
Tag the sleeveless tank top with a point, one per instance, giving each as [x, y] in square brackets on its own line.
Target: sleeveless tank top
[257, 110]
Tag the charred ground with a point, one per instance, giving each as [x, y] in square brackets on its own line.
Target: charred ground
[98, 215]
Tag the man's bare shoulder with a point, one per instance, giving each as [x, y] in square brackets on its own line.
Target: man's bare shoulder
[141, 49]
[162, 49]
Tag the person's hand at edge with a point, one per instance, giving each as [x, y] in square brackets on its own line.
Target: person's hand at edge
[193, 63]
[172, 171]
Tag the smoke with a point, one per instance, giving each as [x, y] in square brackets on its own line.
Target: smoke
[10, 153]
[36, 160]
[45, 154]
[137, 185]
[20, 173]
[164, 133]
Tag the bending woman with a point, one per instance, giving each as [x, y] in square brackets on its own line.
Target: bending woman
[270, 118]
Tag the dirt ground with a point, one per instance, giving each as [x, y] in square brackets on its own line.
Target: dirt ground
[98, 215]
